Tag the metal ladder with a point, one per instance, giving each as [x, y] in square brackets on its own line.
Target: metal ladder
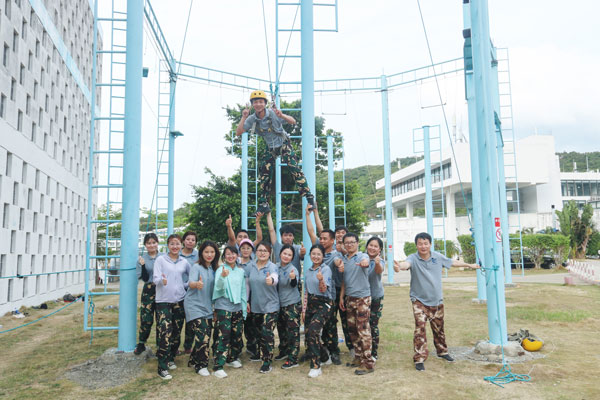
[510, 157]
[340, 195]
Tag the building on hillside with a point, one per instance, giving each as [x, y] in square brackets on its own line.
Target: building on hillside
[542, 189]
[45, 81]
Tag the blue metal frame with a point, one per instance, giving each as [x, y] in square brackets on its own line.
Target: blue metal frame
[387, 168]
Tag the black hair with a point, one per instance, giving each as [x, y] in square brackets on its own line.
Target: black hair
[379, 242]
[285, 247]
[287, 229]
[350, 235]
[267, 245]
[330, 232]
[424, 236]
[341, 228]
[173, 236]
[215, 262]
[189, 233]
[317, 246]
[149, 236]
[240, 231]
[231, 248]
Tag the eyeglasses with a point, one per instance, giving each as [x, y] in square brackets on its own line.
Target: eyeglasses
[352, 242]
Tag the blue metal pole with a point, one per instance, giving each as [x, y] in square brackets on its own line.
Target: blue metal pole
[278, 214]
[488, 170]
[131, 175]
[428, 191]
[171, 176]
[331, 182]
[308, 108]
[245, 180]
[474, 148]
[387, 170]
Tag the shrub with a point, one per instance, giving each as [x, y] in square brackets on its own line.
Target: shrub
[467, 248]
[409, 248]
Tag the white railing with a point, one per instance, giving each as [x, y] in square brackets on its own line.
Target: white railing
[585, 271]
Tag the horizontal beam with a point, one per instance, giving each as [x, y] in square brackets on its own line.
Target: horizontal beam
[158, 35]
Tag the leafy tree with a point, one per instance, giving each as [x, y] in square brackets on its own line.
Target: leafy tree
[467, 248]
[535, 246]
[560, 249]
[451, 248]
[594, 244]
[409, 248]
[578, 226]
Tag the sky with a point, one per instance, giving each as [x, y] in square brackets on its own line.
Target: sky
[553, 48]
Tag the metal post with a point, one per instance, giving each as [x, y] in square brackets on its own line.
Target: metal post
[245, 180]
[474, 148]
[131, 175]
[278, 213]
[428, 191]
[387, 170]
[171, 177]
[331, 182]
[488, 170]
[308, 108]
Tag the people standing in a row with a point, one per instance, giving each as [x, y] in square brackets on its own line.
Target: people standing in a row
[190, 254]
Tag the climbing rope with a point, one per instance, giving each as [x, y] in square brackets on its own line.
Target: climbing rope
[91, 309]
[41, 318]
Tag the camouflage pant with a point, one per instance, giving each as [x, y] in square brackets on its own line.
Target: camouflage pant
[287, 157]
[227, 337]
[376, 308]
[344, 320]
[264, 326]
[250, 334]
[288, 329]
[358, 311]
[147, 311]
[202, 328]
[169, 318]
[435, 316]
[189, 337]
[318, 313]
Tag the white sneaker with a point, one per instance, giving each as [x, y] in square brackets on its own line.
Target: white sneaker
[328, 362]
[172, 365]
[203, 372]
[234, 364]
[314, 372]
[220, 374]
[352, 354]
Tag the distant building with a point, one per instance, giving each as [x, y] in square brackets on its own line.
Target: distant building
[542, 189]
[45, 81]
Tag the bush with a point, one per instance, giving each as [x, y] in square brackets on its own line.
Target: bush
[560, 249]
[451, 248]
[535, 246]
[409, 248]
[467, 248]
[594, 244]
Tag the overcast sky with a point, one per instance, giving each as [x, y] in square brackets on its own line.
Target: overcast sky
[554, 63]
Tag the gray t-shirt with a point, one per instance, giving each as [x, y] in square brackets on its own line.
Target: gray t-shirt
[198, 302]
[148, 264]
[295, 261]
[328, 260]
[270, 128]
[287, 294]
[356, 278]
[426, 278]
[192, 258]
[375, 281]
[263, 298]
[312, 283]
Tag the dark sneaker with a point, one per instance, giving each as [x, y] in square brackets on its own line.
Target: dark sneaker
[266, 368]
[325, 358]
[447, 357]
[164, 374]
[364, 371]
[335, 359]
[310, 199]
[263, 208]
[281, 356]
[420, 366]
[355, 363]
[288, 364]
[254, 357]
[139, 349]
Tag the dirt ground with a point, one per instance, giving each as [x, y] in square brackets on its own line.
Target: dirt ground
[36, 359]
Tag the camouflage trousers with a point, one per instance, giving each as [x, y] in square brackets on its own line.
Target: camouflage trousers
[202, 329]
[343, 319]
[318, 312]
[264, 329]
[358, 311]
[147, 311]
[435, 316]
[250, 332]
[169, 318]
[227, 339]
[268, 163]
[189, 336]
[376, 308]
[288, 330]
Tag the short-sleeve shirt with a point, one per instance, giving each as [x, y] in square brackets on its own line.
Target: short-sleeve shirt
[198, 302]
[356, 278]
[375, 281]
[295, 261]
[287, 294]
[264, 299]
[328, 260]
[426, 278]
[192, 259]
[312, 283]
[270, 128]
[148, 265]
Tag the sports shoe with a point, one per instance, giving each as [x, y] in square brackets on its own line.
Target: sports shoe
[335, 359]
[364, 371]
[326, 362]
[310, 199]
[281, 356]
[447, 357]
[164, 374]
[266, 368]
[355, 363]
[220, 374]
[288, 365]
[203, 372]
[139, 349]
[171, 365]
[255, 357]
[314, 372]
[420, 366]
[263, 208]
[234, 364]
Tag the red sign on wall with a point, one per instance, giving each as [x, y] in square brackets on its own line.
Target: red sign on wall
[497, 222]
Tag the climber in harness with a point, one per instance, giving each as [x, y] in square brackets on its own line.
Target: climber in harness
[268, 123]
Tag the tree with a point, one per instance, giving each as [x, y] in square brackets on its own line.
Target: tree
[467, 248]
[578, 226]
[560, 249]
[409, 248]
[535, 246]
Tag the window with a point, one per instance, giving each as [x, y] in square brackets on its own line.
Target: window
[22, 75]
[2, 106]
[24, 28]
[15, 41]
[5, 55]
[21, 219]
[35, 90]
[579, 186]
[13, 89]
[33, 131]
[6, 215]
[46, 103]
[30, 61]
[7, 8]
[27, 104]
[37, 49]
[586, 188]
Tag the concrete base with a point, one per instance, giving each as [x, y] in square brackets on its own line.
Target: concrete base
[510, 285]
[486, 352]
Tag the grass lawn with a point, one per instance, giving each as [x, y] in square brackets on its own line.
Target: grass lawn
[35, 358]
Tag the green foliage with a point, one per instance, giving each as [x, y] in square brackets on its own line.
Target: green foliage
[451, 248]
[593, 244]
[409, 248]
[577, 225]
[535, 246]
[566, 160]
[560, 249]
[467, 248]
[356, 218]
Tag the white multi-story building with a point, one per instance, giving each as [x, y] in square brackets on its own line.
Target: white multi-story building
[542, 189]
[45, 81]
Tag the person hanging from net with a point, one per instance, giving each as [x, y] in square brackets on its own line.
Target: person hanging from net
[268, 123]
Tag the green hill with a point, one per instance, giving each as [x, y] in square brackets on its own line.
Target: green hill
[584, 161]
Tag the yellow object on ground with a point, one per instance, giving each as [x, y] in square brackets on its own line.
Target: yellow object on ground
[531, 344]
